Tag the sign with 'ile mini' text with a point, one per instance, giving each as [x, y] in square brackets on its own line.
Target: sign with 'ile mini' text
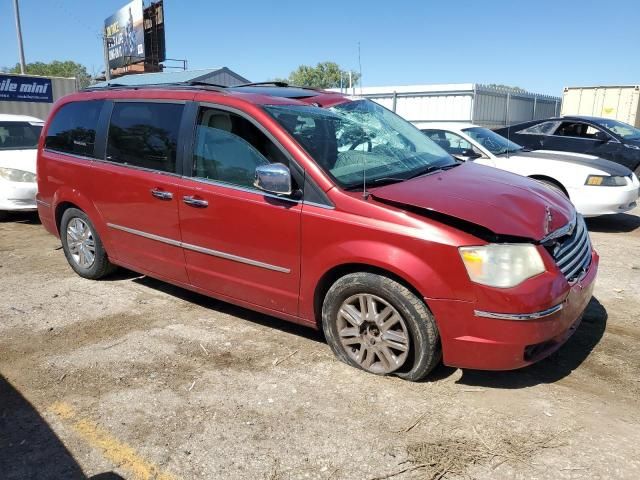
[16, 88]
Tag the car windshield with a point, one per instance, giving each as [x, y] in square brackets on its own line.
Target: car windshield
[347, 138]
[621, 129]
[19, 135]
[493, 142]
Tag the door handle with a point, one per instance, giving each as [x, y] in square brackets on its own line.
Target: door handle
[161, 194]
[195, 202]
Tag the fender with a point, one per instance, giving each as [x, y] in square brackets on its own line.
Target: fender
[67, 194]
[418, 268]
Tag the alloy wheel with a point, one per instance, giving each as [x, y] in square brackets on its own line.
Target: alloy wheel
[81, 243]
[373, 333]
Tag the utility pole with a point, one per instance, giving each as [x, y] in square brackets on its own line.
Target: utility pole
[16, 10]
[105, 48]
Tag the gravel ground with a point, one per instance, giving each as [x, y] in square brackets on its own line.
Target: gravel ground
[133, 378]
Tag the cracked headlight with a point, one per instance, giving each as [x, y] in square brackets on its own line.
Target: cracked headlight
[502, 265]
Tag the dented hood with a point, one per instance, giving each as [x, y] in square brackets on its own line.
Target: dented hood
[502, 202]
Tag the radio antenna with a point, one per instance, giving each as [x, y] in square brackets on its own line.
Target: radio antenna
[507, 122]
[364, 177]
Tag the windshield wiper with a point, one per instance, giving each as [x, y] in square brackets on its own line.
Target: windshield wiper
[385, 180]
[432, 169]
[506, 151]
[375, 181]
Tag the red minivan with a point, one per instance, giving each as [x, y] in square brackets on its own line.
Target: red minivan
[322, 209]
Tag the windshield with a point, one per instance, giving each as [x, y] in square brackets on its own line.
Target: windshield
[19, 135]
[347, 137]
[621, 129]
[493, 142]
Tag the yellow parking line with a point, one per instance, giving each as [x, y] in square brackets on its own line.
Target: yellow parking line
[117, 452]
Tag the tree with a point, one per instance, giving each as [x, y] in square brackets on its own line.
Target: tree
[323, 75]
[506, 87]
[57, 68]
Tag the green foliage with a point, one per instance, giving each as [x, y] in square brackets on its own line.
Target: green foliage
[58, 69]
[323, 75]
[507, 87]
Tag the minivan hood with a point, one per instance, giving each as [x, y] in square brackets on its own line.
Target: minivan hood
[19, 159]
[502, 202]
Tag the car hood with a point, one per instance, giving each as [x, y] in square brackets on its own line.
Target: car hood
[19, 159]
[502, 202]
[606, 166]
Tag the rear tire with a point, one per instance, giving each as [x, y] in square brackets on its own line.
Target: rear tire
[82, 245]
[376, 324]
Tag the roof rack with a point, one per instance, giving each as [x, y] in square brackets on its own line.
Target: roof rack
[275, 83]
[176, 85]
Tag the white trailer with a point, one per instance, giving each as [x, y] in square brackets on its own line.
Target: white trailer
[483, 105]
[620, 102]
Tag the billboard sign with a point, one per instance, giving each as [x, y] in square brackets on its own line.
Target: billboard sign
[125, 35]
[17, 88]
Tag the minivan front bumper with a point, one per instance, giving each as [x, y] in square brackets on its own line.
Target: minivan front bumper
[504, 341]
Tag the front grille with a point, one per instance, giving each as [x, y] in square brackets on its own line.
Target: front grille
[572, 252]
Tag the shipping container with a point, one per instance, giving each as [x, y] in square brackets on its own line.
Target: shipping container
[620, 102]
[32, 95]
[484, 105]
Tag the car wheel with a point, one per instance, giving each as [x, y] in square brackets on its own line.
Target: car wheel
[374, 323]
[554, 186]
[82, 245]
[3, 215]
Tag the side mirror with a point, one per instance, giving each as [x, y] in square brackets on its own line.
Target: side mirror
[273, 178]
[467, 154]
[602, 137]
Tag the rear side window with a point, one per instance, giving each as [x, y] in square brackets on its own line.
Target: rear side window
[145, 134]
[73, 129]
[544, 128]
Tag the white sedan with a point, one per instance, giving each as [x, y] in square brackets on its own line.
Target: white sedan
[18, 148]
[594, 185]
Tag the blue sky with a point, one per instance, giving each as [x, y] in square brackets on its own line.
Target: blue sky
[541, 46]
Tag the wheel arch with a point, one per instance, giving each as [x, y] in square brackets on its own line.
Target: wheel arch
[71, 198]
[546, 178]
[59, 212]
[338, 271]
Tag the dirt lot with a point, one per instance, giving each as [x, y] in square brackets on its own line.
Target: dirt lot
[134, 378]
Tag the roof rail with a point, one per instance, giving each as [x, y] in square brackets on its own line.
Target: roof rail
[275, 83]
[177, 85]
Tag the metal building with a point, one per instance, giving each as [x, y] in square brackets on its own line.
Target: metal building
[32, 95]
[217, 76]
[463, 102]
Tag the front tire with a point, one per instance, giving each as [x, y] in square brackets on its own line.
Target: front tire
[82, 245]
[555, 187]
[376, 324]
